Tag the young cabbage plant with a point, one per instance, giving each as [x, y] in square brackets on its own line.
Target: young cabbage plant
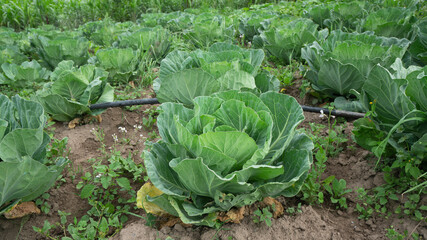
[230, 150]
[23, 75]
[24, 170]
[73, 90]
[186, 75]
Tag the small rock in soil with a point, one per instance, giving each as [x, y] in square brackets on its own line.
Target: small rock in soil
[179, 228]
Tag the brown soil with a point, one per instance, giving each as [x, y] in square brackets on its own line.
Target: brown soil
[314, 222]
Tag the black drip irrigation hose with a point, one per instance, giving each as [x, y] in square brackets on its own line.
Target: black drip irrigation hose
[146, 101]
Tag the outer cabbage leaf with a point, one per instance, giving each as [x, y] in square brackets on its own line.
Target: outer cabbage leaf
[23, 173]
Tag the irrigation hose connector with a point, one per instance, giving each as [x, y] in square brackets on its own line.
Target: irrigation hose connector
[151, 101]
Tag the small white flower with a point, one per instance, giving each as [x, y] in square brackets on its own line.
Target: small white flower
[241, 35]
[140, 135]
[98, 176]
[115, 137]
[122, 129]
[332, 116]
[322, 115]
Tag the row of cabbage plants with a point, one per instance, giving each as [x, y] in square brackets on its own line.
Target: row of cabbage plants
[228, 138]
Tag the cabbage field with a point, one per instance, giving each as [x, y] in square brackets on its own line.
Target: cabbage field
[284, 120]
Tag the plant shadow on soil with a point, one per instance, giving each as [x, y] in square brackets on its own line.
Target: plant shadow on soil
[314, 222]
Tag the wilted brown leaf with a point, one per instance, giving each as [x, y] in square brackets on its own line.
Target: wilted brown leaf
[73, 123]
[235, 215]
[22, 210]
[171, 221]
[278, 207]
[98, 118]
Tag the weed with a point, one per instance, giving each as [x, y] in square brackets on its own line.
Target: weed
[42, 203]
[315, 186]
[263, 216]
[293, 211]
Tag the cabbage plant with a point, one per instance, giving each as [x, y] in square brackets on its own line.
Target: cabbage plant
[25, 173]
[339, 15]
[399, 105]
[156, 41]
[73, 90]
[186, 75]
[208, 28]
[23, 75]
[344, 60]
[391, 22]
[251, 23]
[285, 41]
[418, 47]
[121, 63]
[11, 54]
[53, 50]
[105, 32]
[230, 150]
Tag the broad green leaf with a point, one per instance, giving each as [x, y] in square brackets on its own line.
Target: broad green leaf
[286, 114]
[186, 85]
[25, 180]
[199, 179]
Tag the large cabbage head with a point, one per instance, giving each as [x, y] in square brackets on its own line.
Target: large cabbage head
[23, 169]
[232, 149]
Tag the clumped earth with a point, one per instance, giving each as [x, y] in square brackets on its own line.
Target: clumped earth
[353, 164]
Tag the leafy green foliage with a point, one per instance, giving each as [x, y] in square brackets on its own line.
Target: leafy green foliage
[25, 171]
[73, 90]
[230, 150]
[391, 22]
[344, 60]
[121, 63]
[156, 41]
[208, 28]
[55, 49]
[186, 75]
[26, 74]
[285, 40]
[263, 216]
